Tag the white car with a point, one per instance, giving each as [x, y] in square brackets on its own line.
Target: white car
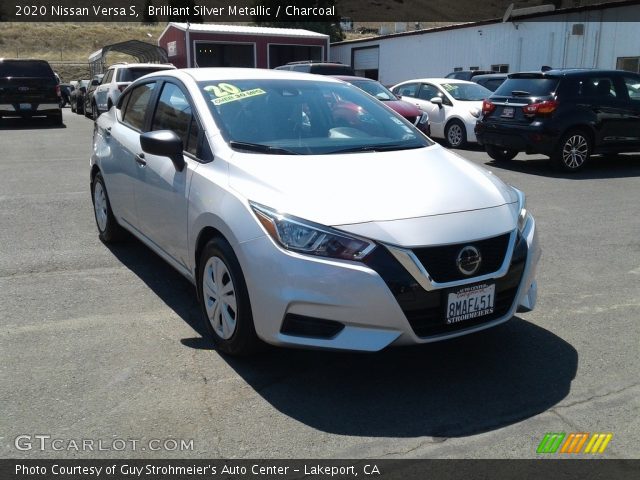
[118, 77]
[309, 214]
[453, 106]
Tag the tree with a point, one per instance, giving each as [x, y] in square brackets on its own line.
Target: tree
[329, 25]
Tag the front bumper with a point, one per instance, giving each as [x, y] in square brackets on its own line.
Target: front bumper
[377, 304]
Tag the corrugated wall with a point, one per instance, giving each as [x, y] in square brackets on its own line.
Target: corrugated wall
[523, 46]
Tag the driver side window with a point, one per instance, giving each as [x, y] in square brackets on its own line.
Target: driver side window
[174, 112]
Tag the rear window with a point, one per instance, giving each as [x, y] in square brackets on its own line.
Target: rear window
[23, 68]
[331, 70]
[528, 87]
[131, 74]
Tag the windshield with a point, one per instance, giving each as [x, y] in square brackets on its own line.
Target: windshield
[375, 89]
[305, 117]
[466, 92]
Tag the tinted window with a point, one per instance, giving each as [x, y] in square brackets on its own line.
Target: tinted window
[375, 89]
[131, 74]
[407, 90]
[331, 70]
[492, 84]
[306, 117]
[136, 107]
[23, 68]
[633, 87]
[174, 113]
[598, 88]
[427, 92]
[535, 87]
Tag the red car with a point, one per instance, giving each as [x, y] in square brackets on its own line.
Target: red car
[374, 88]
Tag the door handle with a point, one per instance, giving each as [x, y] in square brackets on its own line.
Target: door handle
[140, 160]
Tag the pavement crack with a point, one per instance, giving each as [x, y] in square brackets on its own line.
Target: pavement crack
[596, 397]
[432, 441]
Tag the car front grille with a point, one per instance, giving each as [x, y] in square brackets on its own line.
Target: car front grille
[440, 261]
[425, 310]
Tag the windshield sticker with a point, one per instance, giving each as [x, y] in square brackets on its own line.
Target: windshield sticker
[226, 93]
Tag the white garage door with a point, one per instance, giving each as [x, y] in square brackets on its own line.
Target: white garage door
[366, 58]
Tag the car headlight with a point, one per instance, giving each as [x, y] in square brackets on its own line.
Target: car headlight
[424, 118]
[523, 214]
[302, 236]
[475, 112]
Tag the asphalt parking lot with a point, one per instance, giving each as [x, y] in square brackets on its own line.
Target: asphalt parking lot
[105, 343]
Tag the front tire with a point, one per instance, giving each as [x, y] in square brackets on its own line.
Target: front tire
[572, 152]
[109, 230]
[455, 134]
[224, 300]
[500, 154]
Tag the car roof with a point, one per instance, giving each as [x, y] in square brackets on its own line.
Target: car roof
[490, 75]
[353, 78]
[436, 80]
[143, 65]
[226, 73]
[565, 72]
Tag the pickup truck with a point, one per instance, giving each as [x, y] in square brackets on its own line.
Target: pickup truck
[28, 89]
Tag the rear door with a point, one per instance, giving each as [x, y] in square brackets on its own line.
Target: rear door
[121, 168]
[628, 86]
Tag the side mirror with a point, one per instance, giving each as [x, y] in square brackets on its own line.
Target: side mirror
[95, 82]
[164, 143]
[83, 89]
[436, 101]
[398, 96]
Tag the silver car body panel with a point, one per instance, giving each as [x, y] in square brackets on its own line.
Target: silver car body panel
[422, 197]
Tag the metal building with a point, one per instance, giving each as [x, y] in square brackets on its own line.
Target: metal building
[598, 36]
[210, 45]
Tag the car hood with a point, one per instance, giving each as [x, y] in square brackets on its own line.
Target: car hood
[366, 187]
[405, 109]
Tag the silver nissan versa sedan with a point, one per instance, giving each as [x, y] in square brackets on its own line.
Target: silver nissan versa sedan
[309, 214]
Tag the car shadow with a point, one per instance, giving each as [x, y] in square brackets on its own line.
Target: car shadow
[599, 167]
[459, 387]
[27, 124]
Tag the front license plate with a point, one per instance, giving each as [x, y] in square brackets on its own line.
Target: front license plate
[507, 112]
[470, 302]
[25, 106]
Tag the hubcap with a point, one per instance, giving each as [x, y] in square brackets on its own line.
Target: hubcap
[100, 206]
[219, 298]
[455, 135]
[575, 151]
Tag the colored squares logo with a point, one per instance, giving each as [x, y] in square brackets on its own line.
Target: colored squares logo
[574, 443]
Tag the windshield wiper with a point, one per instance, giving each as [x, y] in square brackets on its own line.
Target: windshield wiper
[520, 93]
[262, 148]
[377, 148]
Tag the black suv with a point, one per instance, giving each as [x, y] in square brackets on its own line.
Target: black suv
[564, 114]
[29, 88]
[319, 68]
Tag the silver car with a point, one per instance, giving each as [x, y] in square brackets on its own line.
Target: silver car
[308, 214]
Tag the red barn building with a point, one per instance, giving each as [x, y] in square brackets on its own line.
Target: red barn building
[212, 45]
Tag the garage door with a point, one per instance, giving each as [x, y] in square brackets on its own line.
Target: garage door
[366, 58]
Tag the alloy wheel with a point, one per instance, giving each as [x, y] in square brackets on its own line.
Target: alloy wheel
[454, 135]
[575, 151]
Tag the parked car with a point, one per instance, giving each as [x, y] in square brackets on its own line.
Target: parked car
[76, 99]
[299, 231]
[28, 89]
[467, 74]
[453, 106]
[65, 93]
[116, 79]
[490, 81]
[374, 88]
[319, 68]
[564, 114]
[88, 97]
